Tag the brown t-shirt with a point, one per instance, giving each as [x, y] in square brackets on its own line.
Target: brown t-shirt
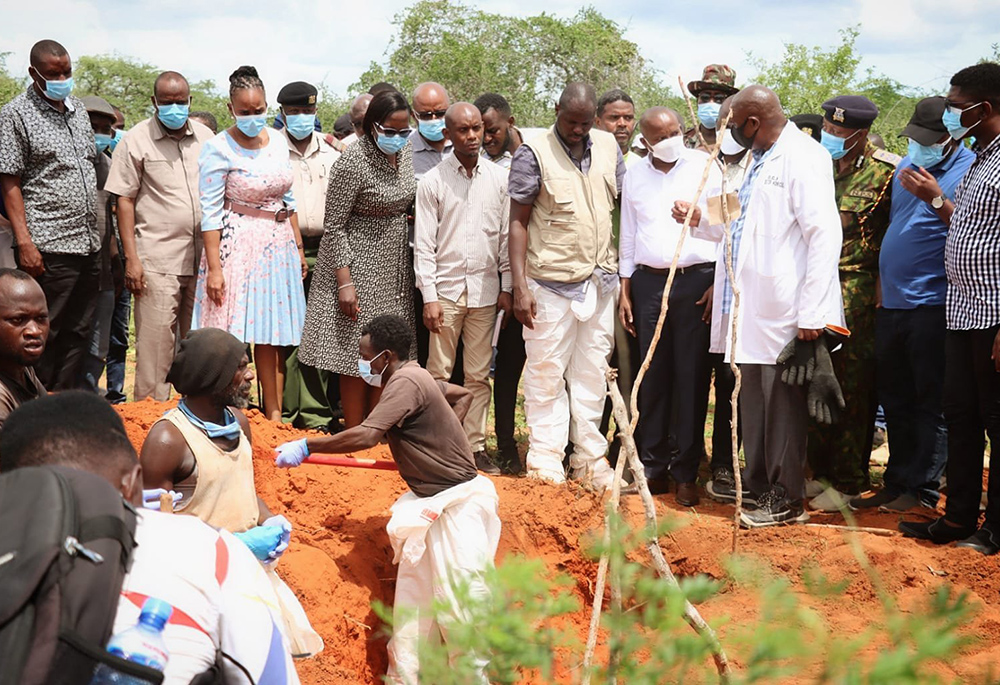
[425, 436]
[14, 393]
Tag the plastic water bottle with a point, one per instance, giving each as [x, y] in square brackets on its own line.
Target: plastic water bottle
[142, 643]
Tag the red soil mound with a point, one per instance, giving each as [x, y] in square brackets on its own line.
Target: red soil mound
[340, 559]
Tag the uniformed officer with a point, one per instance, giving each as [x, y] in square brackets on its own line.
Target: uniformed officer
[809, 123]
[718, 81]
[839, 455]
[310, 394]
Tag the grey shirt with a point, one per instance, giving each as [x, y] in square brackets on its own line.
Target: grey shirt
[53, 153]
[426, 157]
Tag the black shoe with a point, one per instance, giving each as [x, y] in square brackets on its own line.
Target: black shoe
[984, 541]
[773, 508]
[722, 487]
[485, 465]
[937, 531]
[658, 486]
[687, 494]
[873, 502]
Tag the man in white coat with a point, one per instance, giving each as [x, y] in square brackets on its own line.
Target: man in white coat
[786, 243]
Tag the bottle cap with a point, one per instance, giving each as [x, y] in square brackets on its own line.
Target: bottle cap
[156, 611]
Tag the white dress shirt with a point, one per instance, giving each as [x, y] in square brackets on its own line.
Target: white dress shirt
[649, 233]
[461, 233]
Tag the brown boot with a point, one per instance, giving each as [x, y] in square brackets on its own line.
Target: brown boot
[687, 494]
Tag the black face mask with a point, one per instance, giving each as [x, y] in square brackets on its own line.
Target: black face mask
[741, 138]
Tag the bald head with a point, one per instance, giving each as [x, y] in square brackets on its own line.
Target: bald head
[171, 85]
[463, 126]
[757, 118]
[578, 94]
[659, 115]
[359, 106]
[429, 97]
[462, 111]
[24, 321]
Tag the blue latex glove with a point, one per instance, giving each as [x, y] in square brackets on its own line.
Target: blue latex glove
[262, 540]
[151, 498]
[292, 453]
[286, 534]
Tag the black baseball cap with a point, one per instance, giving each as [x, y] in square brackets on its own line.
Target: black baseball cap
[925, 125]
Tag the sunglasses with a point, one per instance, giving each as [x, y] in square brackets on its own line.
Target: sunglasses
[404, 132]
[427, 116]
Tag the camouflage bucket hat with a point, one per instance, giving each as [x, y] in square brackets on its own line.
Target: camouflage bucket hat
[715, 77]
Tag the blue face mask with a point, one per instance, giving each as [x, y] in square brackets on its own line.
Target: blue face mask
[119, 134]
[251, 125]
[952, 120]
[708, 113]
[230, 430]
[172, 116]
[102, 141]
[300, 126]
[926, 156]
[432, 130]
[835, 145]
[390, 145]
[365, 369]
[58, 90]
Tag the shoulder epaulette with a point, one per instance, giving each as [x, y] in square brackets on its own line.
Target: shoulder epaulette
[887, 157]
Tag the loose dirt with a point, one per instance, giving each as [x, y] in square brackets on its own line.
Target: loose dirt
[340, 559]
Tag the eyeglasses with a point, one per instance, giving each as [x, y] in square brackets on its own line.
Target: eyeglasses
[708, 97]
[427, 116]
[404, 132]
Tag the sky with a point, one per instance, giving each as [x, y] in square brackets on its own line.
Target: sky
[920, 43]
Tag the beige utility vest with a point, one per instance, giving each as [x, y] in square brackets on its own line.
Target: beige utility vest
[569, 233]
[224, 494]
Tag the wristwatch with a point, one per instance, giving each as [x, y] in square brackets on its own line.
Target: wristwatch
[937, 202]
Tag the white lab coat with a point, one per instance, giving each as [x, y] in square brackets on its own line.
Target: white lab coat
[787, 265]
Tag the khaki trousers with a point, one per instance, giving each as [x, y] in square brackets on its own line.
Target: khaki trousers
[475, 326]
[162, 318]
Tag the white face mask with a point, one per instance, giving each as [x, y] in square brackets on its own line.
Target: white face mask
[669, 149]
[729, 144]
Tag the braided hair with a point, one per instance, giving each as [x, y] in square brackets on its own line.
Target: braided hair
[244, 78]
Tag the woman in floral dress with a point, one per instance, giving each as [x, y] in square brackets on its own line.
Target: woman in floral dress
[250, 279]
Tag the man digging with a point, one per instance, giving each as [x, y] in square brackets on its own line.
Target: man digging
[446, 529]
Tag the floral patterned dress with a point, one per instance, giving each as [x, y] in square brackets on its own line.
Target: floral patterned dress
[264, 302]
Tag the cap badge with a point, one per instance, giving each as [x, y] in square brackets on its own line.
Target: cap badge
[838, 114]
[312, 99]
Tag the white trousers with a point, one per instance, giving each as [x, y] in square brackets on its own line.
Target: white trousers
[564, 383]
[458, 547]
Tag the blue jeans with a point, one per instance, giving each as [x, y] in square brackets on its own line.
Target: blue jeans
[910, 345]
[118, 348]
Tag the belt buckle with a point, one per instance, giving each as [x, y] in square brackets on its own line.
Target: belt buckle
[281, 215]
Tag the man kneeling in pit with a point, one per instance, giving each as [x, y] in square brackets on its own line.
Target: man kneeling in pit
[446, 529]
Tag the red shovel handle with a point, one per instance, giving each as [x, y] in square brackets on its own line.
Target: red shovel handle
[333, 460]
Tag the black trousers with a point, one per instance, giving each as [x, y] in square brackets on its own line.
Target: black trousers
[673, 400]
[71, 285]
[909, 350]
[971, 407]
[509, 364]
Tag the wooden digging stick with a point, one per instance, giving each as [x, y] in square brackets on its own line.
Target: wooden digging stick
[602, 566]
[734, 317]
[691, 614]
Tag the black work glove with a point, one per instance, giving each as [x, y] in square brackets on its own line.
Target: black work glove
[799, 360]
[824, 399]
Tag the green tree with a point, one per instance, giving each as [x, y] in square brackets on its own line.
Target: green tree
[10, 85]
[805, 77]
[128, 84]
[528, 60]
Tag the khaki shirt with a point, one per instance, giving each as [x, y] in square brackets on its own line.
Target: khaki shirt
[161, 175]
[312, 176]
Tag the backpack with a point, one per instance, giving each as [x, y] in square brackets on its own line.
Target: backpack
[66, 541]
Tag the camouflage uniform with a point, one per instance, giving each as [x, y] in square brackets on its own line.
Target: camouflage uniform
[840, 453]
[718, 77]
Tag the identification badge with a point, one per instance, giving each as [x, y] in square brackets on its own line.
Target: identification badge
[715, 217]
